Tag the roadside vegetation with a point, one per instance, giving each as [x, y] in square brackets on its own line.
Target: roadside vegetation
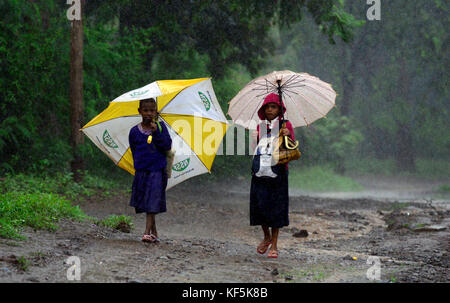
[41, 201]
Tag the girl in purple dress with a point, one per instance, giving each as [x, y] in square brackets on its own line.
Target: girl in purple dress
[149, 140]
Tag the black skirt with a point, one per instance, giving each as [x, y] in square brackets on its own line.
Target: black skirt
[269, 200]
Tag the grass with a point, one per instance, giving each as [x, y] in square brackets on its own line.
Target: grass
[425, 168]
[321, 178]
[40, 201]
[444, 189]
[433, 168]
[23, 263]
[315, 274]
[37, 210]
[122, 222]
[393, 279]
[319, 276]
[60, 183]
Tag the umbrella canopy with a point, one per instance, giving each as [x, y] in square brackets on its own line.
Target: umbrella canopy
[306, 98]
[188, 108]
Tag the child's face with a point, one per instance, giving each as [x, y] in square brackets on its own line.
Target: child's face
[148, 112]
[272, 110]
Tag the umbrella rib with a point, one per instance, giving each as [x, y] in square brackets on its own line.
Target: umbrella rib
[247, 105]
[255, 111]
[263, 94]
[292, 78]
[264, 84]
[167, 123]
[111, 120]
[268, 82]
[259, 84]
[292, 101]
[236, 103]
[319, 93]
[299, 93]
[294, 86]
[123, 155]
[293, 81]
[265, 89]
[244, 94]
[172, 97]
[320, 83]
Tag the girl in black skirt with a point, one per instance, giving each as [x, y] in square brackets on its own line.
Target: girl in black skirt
[269, 198]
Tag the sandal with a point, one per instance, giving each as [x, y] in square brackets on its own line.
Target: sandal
[264, 248]
[155, 238]
[272, 254]
[148, 238]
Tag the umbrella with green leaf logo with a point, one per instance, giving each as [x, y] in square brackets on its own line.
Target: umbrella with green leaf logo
[188, 108]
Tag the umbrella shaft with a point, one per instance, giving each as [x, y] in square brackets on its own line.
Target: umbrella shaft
[281, 99]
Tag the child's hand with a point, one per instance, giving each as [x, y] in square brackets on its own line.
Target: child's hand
[254, 135]
[285, 132]
[153, 126]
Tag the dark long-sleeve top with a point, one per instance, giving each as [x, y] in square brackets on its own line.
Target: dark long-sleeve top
[149, 156]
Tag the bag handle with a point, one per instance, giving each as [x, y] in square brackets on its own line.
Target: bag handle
[288, 142]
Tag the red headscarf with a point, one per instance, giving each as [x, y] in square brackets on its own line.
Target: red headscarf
[271, 98]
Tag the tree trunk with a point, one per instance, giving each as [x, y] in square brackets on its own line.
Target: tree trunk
[405, 154]
[76, 96]
[353, 55]
[347, 89]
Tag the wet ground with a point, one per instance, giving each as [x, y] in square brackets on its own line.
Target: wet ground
[205, 237]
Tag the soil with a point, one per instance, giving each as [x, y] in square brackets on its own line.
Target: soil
[206, 237]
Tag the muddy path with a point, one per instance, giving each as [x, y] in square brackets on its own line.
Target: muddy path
[205, 237]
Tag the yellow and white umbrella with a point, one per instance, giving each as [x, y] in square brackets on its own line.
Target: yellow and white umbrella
[188, 108]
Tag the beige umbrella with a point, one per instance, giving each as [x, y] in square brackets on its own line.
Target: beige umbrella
[306, 98]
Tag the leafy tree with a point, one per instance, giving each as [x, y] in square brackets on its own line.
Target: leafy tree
[391, 78]
[228, 32]
[125, 43]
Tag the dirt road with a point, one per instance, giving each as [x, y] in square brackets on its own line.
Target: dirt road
[206, 237]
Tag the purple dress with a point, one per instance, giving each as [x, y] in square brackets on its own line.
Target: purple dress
[150, 180]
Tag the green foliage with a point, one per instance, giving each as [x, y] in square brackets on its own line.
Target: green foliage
[122, 222]
[426, 168]
[32, 55]
[320, 178]
[37, 200]
[227, 32]
[371, 166]
[330, 140]
[37, 210]
[113, 64]
[433, 168]
[23, 263]
[61, 183]
[340, 23]
[396, 91]
[444, 188]
[32, 184]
